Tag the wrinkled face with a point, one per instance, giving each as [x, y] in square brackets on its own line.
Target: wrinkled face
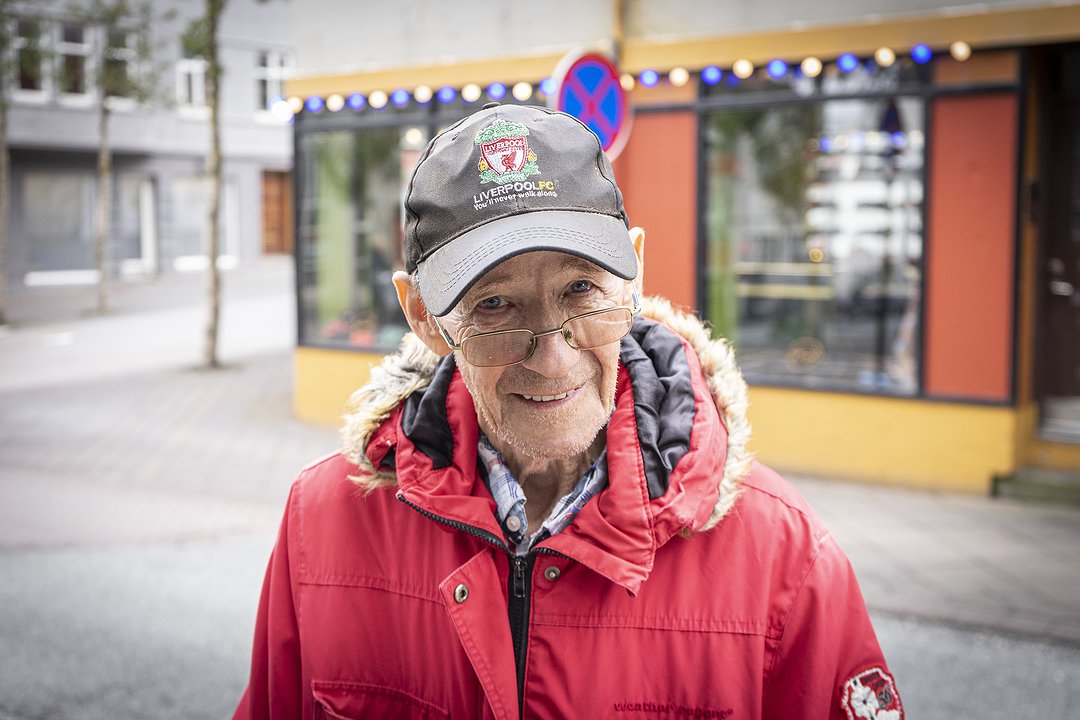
[554, 404]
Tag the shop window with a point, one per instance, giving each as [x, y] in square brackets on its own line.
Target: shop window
[350, 233]
[814, 240]
[191, 201]
[73, 50]
[57, 217]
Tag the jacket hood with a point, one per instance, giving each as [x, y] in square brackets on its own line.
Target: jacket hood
[414, 367]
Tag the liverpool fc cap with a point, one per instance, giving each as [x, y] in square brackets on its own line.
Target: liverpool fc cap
[507, 180]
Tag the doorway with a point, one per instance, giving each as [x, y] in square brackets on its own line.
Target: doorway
[1057, 380]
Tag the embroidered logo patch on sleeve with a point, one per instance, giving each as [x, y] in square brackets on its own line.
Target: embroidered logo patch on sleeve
[871, 695]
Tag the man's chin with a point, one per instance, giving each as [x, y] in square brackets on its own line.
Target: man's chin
[540, 446]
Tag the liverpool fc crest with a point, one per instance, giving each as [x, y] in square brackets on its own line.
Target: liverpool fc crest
[504, 153]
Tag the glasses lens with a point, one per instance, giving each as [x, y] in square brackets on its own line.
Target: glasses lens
[596, 329]
[500, 348]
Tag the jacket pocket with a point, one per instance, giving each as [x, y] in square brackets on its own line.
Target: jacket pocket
[356, 701]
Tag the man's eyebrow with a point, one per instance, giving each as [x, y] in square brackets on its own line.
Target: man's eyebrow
[501, 276]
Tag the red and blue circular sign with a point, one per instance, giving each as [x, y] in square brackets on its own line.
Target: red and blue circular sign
[590, 90]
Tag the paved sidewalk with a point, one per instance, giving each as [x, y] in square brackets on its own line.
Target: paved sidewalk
[109, 437]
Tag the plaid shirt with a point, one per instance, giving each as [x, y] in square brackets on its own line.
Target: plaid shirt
[510, 500]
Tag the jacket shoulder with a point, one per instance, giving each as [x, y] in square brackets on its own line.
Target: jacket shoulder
[765, 492]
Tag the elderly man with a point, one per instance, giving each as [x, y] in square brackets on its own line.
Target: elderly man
[546, 507]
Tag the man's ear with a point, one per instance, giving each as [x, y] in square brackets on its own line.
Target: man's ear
[420, 320]
[637, 236]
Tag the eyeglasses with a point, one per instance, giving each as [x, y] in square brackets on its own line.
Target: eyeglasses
[581, 332]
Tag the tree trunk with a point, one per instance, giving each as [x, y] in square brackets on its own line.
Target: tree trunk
[5, 191]
[213, 175]
[101, 233]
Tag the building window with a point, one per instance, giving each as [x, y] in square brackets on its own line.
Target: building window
[270, 70]
[352, 184]
[29, 58]
[73, 50]
[814, 240]
[119, 64]
[190, 82]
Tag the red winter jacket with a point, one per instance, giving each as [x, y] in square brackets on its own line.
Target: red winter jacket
[697, 585]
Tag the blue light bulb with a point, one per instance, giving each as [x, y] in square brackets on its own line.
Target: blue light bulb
[921, 53]
[847, 62]
[356, 101]
[496, 91]
[649, 78]
[314, 104]
[547, 86]
[711, 75]
[447, 94]
[400, 98]
[776, 69]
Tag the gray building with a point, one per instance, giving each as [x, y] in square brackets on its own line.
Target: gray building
[159, 148]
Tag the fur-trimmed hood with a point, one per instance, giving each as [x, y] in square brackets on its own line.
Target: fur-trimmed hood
[414, 366]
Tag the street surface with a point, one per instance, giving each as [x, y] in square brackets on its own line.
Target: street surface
[139, 499]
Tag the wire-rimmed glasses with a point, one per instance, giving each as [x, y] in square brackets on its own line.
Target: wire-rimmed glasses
[509, 347]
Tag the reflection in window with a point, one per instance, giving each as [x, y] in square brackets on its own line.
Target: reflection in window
[814, 241]
[74, 47]
[27, 44]
[119, 56]
[351, 189]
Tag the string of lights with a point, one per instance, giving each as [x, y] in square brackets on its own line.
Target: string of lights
[741, 70]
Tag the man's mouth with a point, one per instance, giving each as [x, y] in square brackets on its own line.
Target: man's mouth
[554, 397]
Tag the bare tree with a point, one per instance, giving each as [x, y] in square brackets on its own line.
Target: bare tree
[123, 71]
[201, 39]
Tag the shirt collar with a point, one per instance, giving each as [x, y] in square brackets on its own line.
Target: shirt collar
[510, 499]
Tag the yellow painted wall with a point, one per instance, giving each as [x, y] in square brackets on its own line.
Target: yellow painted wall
[915, 443]
[323, 380]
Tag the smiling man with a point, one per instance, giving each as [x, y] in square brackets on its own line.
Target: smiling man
[546, 507]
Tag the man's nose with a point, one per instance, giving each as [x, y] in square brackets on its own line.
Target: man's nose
[553, 357]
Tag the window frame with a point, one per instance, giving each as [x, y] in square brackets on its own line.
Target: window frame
[18, 43]
[63, 49]
[278, 68]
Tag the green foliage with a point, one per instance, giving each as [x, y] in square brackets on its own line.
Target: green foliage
[126, 67]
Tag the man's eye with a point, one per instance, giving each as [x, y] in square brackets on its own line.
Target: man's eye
[491, 303]
[581, 286]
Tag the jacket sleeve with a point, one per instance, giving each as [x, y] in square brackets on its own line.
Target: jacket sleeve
[827, 662]
[274, 687]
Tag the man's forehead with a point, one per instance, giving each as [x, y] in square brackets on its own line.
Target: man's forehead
[518, 270]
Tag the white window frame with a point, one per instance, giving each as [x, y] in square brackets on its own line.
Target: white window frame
[21, 94]
[195, 69]
[83, 49]
[277, 70]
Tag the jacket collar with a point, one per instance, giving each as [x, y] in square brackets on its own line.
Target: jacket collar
[676, 443]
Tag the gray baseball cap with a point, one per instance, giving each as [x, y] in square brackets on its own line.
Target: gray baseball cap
[507, 180]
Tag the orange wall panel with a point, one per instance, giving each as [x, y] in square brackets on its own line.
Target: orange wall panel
[657, 172]
[971, 247]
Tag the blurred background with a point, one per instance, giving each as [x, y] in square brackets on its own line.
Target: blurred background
[877, 202]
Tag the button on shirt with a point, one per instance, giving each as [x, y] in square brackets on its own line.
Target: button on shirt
[510, 499]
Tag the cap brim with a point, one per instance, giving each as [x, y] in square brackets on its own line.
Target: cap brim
[448, 273]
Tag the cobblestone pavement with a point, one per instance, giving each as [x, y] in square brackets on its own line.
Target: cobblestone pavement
[139, 498]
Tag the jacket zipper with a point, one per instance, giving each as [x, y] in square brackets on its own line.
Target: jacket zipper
[519, 591]
[463, 527]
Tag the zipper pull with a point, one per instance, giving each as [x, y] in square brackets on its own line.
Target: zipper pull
[519, 577]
